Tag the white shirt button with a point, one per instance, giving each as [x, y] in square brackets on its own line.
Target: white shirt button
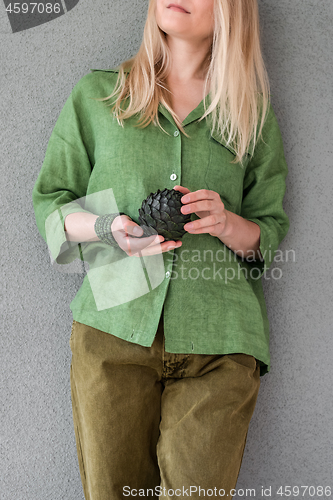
[173, 177]
[176, 133]
[167, 274]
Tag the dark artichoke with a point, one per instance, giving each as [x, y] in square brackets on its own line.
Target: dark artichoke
[160, 214]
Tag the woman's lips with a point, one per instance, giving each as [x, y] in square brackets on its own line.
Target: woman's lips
[177, 8]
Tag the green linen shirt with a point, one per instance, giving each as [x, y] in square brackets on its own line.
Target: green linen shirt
[213, 299]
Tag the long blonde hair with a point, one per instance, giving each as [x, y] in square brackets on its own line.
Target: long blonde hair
[239, 85]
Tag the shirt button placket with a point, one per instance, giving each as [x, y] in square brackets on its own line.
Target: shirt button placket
[177, 172]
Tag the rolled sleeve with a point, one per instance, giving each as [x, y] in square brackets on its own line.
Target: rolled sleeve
[263, 193]
[62, 180]
[62, 250]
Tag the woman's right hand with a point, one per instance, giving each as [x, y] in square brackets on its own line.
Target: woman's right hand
[127, 234]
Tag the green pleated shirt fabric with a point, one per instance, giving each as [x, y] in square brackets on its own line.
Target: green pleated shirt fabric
[213, 299]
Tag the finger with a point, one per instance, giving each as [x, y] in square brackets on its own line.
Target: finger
[160, 249]
[215, 230]
[133, 245]
[164, 247]
[126, 224]
[204, 223]
[132, 228]
[128, 235]
[200, 206]
[158, 239]
[201, 194]
[182, 189]
[121, 229]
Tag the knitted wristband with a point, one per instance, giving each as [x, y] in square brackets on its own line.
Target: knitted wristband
[103, 228]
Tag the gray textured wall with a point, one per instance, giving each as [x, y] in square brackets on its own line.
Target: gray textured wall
[289, 441]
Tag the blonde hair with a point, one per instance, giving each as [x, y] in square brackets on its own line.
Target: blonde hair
[239, 85]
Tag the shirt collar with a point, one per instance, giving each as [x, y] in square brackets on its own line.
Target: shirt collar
[194, 115]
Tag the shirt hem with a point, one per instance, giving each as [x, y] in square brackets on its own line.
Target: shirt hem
[146, 339]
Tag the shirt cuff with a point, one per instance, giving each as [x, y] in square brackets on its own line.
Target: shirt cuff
[268, 244]
[61, 250]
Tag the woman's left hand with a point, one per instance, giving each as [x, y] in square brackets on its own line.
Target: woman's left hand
[208, 206]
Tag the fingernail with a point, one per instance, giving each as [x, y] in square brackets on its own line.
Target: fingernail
[137, 230]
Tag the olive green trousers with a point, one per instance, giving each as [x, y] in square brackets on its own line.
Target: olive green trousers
[150, 423]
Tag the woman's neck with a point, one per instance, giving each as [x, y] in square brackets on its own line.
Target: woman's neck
[189, 61]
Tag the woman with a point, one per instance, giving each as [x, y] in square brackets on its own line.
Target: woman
[169, 338]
